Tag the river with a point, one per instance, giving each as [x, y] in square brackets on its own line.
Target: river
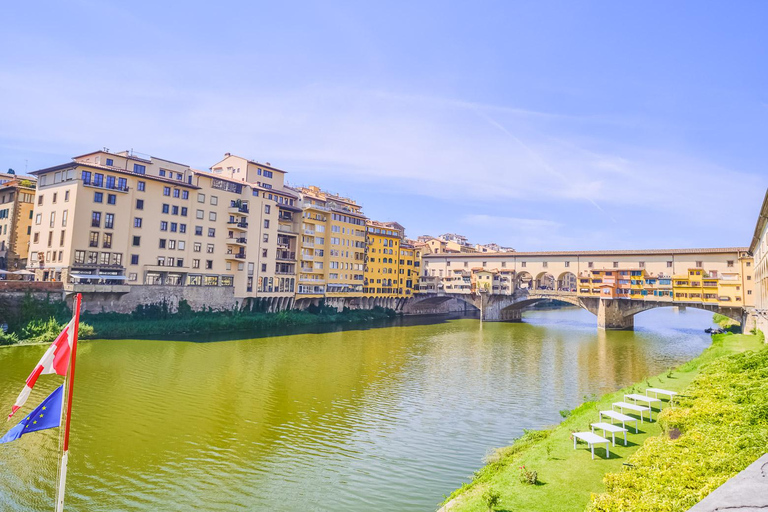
[386, 419]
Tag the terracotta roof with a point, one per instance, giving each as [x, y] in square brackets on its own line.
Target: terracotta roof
[631, 252]
[116, 170]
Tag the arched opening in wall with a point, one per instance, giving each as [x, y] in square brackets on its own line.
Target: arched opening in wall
[524, 281]
[545, 281]
[567, 282]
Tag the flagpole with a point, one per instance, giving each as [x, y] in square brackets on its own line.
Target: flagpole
[70, 390]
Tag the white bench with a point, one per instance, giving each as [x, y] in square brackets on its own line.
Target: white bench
[633, 407]
[591, 439]
[656, 392]
[610, 427]
[649, 400]
[623, 418]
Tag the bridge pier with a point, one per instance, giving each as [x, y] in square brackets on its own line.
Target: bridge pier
[511, 315]
[612, 315]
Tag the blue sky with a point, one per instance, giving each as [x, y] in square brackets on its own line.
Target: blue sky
[539, 125]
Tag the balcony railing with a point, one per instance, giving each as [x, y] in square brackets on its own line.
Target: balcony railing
[237, 241]
[238, 224]
[286, 255]
[286, 229]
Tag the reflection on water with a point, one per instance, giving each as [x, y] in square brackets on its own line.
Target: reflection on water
[381, 419]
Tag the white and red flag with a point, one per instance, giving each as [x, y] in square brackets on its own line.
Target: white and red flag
[55, 360]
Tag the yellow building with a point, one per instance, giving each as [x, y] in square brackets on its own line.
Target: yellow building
[332, 248]
[17, 197]
[385, 268]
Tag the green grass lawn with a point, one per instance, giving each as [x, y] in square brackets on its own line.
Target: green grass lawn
[568, 477]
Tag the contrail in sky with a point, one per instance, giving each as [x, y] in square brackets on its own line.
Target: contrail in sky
[538, 158]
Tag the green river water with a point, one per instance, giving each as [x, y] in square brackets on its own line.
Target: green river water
[386, 419]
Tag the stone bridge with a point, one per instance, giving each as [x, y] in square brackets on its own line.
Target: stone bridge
[617, 314]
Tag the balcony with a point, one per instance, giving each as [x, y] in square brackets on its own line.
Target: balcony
[287, 229]
[307, 257]
[241, 241]
[311, 280]
[238, 210]
[239, 256]
[285, 217]
[285, 256]
[308, 244]
[239, 225]
[104, 186]
[309, 232]
[311, 270]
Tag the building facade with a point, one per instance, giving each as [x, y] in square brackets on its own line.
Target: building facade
[17, 197]
[759, 250]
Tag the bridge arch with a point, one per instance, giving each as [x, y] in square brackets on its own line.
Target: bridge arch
[734, 314]
[524, 281]
[567, 282]
[545, 281]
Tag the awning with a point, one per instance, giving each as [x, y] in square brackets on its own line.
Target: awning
[24, 273]
[97, 276]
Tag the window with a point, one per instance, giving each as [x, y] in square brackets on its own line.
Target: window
[176, 192]
[699, 264]
[40, 199]
[139, 204]
[265, 238]
[141, 186]
[669, 264]
[98, 197]
[136, 241]
[211, 232]
[96, 219]
[61, 237]
[110, 162]
[53, 219]
[86, 177]
[139, 169]
[55, 194]
[182, 228]
[162, 172]
[214, 200]
[730, 263]
[183, 211]
[107, 241]
[199, 230]
[36, 237]
[195, 263]
[111, 198]
[109, 220]
[161, 261]
[182, 245]
[208, 265]
[167, 191]
[38, 218]
[166, 208]
[200, 198]
[80, 257]
[122, 184]
[197, 247]
[66, 196]
[162, 242]
[110, 182]
[98, 180]
[171, 244]
[185, 193]
[174, 227]
[267, 174]
[134, 259]
[615, 264]
[209, 248]
[266, 208]
[642, 264]
[266, 223]
[174, 210]
[212, 216]
[93, 241]
[263, 267]
[200, 214]
[163, 225]
[137, 222]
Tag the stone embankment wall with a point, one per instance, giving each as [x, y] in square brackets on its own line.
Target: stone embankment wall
[198, 297]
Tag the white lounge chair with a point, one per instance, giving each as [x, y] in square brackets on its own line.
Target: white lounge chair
[648, 400]
[633, 407]
[591, 439]
[610, 427]
[617, 416]
[656, 392]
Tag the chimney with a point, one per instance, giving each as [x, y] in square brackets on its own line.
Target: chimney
[226, 155]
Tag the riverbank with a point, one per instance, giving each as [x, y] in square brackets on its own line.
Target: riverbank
[157, 322]
[568, 478]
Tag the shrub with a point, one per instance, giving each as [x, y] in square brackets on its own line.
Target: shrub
[8, 338]
[528, 477]
[491, 498]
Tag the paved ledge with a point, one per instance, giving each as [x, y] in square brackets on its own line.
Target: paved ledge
[745, 492]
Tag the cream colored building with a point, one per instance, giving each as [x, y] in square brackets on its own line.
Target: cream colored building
[759, 250]
[17, 197]
[119, 219]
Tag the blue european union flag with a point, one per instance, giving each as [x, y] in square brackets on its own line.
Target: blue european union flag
[46, 415]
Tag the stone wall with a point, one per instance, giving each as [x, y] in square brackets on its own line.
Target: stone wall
[198, 297]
